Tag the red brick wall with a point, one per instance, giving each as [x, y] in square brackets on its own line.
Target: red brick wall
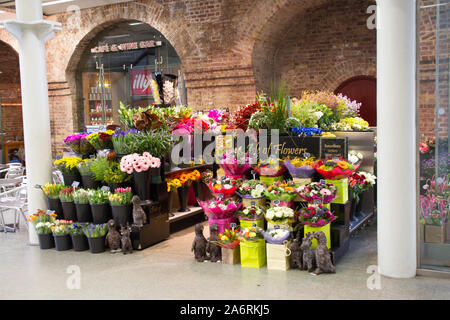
[10, 93]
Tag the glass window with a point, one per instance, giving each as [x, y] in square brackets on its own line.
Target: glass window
[128, 62]
[434, 227]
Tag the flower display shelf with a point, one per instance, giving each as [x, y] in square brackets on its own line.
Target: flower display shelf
[192, 210]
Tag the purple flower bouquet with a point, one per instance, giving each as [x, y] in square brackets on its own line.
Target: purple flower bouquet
[79, 143]
[302, 172]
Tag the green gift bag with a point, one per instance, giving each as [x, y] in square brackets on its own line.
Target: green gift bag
[253, 253]
[342, 190]
[249, 223]
[267, 180]
[325, 229]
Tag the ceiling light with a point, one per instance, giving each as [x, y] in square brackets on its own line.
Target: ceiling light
[50, 3]
[118, 36]
[135, 23]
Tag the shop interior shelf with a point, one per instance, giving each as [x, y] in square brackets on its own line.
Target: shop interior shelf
[181, 215]
[360, 220]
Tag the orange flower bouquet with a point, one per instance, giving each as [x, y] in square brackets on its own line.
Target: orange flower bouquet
[335, 168]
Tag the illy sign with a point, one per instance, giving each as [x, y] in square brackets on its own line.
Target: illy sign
[140, 82]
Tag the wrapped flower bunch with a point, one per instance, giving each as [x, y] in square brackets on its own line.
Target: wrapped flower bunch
[335, 168]
[251, 189]
[317, 192]
[139, 163]
[251, 234]
[101, 140]
[219, 208]
[277, 236]
[301, 168]
[223, 185]
[181, 179]
[360, 182]
[234, 163]
[228, 239]
[79, 143]
[270, 167]
[315, 215]
[251, 213]
[283, 191]
[279, 214]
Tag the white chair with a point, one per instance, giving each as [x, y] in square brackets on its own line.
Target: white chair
[13, 200]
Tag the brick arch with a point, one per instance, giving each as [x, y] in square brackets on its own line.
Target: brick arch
[345, 71]
[9, 59]
[98, 19]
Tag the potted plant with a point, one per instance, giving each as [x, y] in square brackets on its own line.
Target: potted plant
[281, 216]
[139, 166]
[121, 206]
[96, 234]
[81, 200]
[79, 240]
[281, 193]
[359, 183]
[68, 168]
[99, 167]
[316, 218]
[60, 231]
[251, 214]
[68, 206]
[98, 200]
[252, 192]
[182, 182]
[88, 181]
[252, 247]
[43, 223]
[116, 178]
[172, 186]
[52, 193]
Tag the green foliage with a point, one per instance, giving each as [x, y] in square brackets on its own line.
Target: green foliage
[114, 175]
[99, 167]
[156, 142]
[98, 196]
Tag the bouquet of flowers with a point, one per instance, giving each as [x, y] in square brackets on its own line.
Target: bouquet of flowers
[317, 191]
[277, 236]
[240, 117]
[283, 191]
[251, 213]
[279, 214]
[96, 230]
[251, 234]
[139, 163]
[315, 215]
[360, 182]
[335, 169]
[355, 157]
[77, 228]
[270, 168]
[234, 165]
[65, 195]
[79, 143]
[52, 190]
[68, 164]
[219, 208]
[101, 140]
[228, 239]
[223, 185]
[121, 196]
[61, 227]
[301, 168]
[42, 221]
[251, 189]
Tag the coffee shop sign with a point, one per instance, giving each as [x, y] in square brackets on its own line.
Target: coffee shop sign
[126, 46]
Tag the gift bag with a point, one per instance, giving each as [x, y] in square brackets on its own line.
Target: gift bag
[248, 202]
[249, 223]
[325, 229]
[267, 180]
[231, 256]
[342, 190]
[281, 203]
[301, 181]
[253, 253]
[278, 256]
[222, 224]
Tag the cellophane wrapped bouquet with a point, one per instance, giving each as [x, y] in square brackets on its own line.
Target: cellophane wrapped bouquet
[321, 192]
[219, 208]
[301, 168]
[335, 168]
[222, 186]
[315, 215]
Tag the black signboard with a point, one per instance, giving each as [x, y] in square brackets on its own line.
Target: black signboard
[333, 147]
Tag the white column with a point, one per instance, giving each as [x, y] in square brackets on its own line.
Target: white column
[396, 131]
[32, 32]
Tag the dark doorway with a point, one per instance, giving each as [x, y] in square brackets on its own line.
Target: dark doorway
[362, 89]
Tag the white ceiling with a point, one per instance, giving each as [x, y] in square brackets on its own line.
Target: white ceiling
[62, 7]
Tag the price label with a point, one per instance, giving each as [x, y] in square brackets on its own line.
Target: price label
[38, 186]
[233, 226]
[75, 184]
[253, 203]
[276, 202]
[317, 202]
[105, 189]
[50, 211]
[253, 172]
[254, 224]
[307, 155]
[322, 181]
[276, 227]
[220, 196]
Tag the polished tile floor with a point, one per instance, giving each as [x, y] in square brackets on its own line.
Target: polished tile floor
[168, 271]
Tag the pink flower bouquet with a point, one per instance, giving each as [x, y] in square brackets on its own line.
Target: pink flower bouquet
[139, 163]
[219, 209]
[317, 192]
[232, 167]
